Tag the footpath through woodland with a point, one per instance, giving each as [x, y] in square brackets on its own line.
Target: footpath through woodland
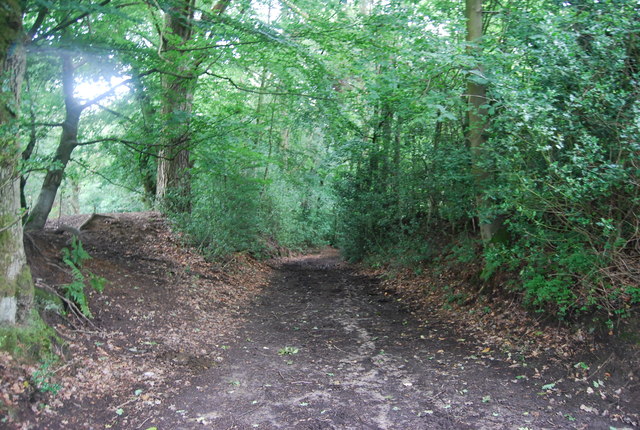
[299, 343]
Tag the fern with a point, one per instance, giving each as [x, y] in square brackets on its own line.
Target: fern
[77, 255]
[74, 258]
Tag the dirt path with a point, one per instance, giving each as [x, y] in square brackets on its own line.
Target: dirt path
[308, 343]
[325, 349]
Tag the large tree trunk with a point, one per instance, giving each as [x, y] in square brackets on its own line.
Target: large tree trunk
[16, 286]
[68, 142]
[173, 181]
[478, 122]
[173, 184]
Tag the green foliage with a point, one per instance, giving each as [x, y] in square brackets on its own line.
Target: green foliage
[74, 291]
[563, 166]
[350, 129]
[564, 172]
[288, 350]
[260, 186]
[464, 251]
[31, 340]
[43, 377]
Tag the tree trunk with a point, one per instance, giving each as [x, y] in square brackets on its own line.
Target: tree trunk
[68, 142]
[173, 186]
[478, 122]
[144, 159]
[173, 182]
[74, 197]
[16, 286]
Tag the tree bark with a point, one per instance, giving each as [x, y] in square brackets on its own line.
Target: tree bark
[173, 181]
[68, 142]
[16, 286]
[478, 122]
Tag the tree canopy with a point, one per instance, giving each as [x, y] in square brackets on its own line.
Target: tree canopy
[395, 130]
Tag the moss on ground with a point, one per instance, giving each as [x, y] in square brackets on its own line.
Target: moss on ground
[30, 340]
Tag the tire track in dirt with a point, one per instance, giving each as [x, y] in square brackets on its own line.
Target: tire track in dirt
[324, 349]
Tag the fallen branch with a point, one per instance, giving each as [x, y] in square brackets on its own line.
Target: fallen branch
[600, 367]
[93, 217]
[69, 229]
[70, 305]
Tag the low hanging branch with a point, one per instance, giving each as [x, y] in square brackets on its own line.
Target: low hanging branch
[270, 93]
[88, 169]
[110, 91]
[133, 145]
[42, 14]
[48, 124]
[69, 22]
[44, 11]
[114, 113]
[217, 45]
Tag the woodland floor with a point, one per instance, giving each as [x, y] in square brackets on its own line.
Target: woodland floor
[305, 342]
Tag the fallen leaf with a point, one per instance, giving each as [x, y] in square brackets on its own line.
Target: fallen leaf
[588, 409]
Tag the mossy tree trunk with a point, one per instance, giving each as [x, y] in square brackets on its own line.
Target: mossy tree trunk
[16, 286]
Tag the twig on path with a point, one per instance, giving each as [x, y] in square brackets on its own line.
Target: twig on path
[248, 412]
[133, 399]
[72, 306]
[60, 268]
[65, 366]
[600, 367]
[142, 423]
[436, 396]
[90, 332]
[231, 260]
[330, 345]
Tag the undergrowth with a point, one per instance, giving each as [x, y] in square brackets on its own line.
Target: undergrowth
[564, 280]
[75, 258]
